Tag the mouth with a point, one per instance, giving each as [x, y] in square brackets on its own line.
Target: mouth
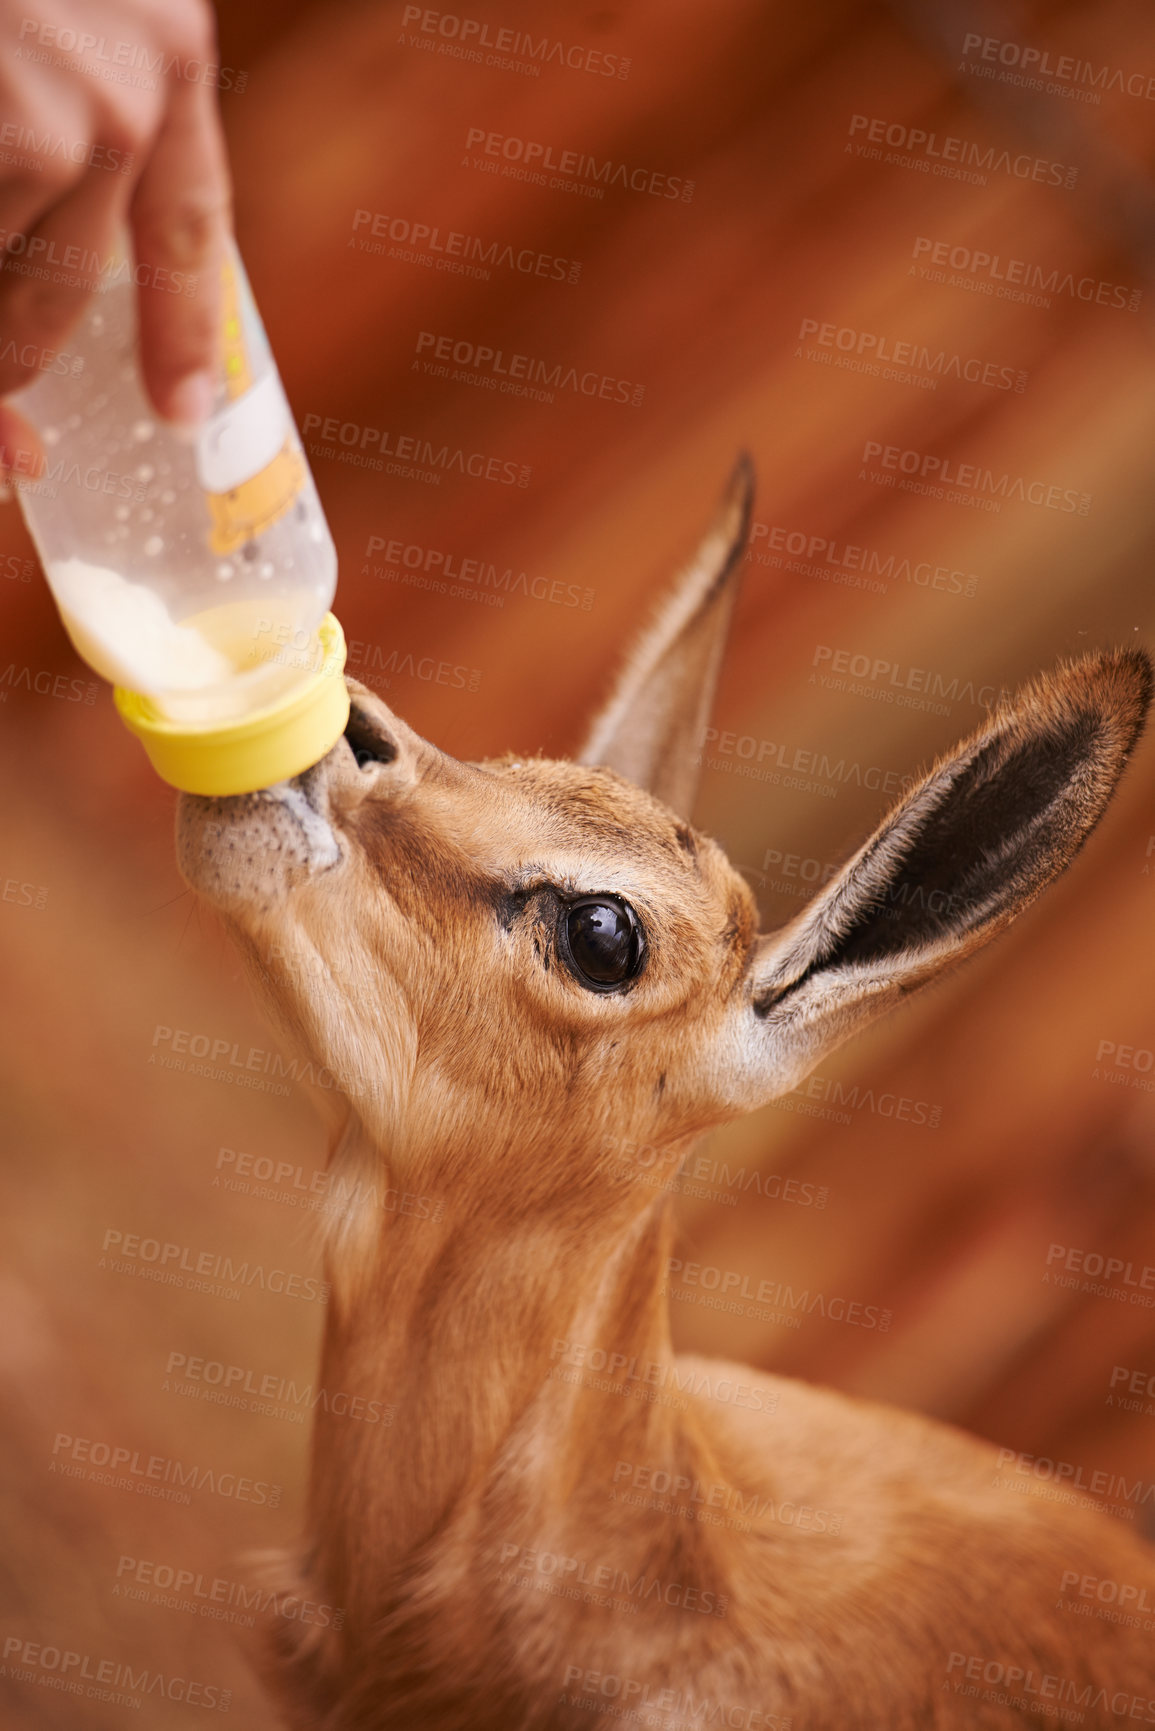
[232, 848]
[305, 801]
[307, 798]
[245, 848]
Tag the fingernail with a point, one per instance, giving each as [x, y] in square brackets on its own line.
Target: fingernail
[191, 399]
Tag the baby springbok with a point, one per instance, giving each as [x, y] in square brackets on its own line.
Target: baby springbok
[520, 970]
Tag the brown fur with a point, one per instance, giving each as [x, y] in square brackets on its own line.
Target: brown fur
[481, 1546]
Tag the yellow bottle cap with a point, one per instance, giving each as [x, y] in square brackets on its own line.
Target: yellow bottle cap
[241, 756]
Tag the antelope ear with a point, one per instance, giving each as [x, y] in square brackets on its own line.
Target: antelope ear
[651, 729]
[955, 862]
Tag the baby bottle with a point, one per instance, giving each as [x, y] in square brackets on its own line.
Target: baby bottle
[194, 569]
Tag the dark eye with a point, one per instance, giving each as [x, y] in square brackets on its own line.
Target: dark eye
[603, 942]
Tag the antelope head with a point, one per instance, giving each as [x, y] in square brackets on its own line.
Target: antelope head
[515, 966]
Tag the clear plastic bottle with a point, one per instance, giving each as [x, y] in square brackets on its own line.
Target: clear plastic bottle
[193, 569]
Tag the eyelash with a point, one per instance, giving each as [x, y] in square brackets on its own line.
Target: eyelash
[550, 935]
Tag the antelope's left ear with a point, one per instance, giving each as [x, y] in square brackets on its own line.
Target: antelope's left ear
[651, 729]
[955, 862]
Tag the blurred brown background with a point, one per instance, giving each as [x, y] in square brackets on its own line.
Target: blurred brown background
[1019, 1134]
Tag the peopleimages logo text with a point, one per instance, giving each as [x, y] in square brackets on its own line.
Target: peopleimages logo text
[943, 472]
[1019, 279]
[470, 35]
[958, 158]
[1039, 63]
[536, 159]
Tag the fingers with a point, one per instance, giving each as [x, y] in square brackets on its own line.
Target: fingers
[41, 301]
[41, 176]
[180, 220]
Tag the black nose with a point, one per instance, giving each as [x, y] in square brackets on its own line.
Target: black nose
[369, 738]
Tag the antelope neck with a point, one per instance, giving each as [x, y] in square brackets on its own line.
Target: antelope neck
[491, 1363]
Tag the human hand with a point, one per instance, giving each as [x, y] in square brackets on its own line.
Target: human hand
[93, 153]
